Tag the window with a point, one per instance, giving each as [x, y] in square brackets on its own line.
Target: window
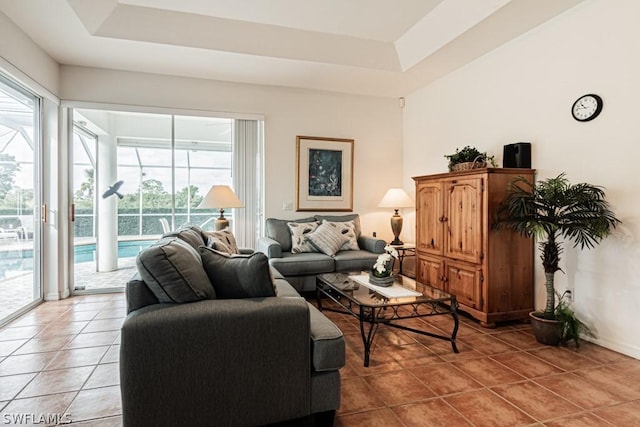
[162, 165]
[20, 285]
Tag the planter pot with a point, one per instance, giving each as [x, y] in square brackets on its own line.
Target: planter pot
[546, 331]
[381, 281]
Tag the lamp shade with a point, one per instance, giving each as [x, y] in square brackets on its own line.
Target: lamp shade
[220, 197]
[396, 198]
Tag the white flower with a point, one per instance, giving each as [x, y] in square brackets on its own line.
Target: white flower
[381, 263]
[391, 250]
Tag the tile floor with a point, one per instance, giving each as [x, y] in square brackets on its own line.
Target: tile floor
[61, 359]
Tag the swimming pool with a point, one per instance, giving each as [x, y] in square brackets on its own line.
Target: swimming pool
[126, 249]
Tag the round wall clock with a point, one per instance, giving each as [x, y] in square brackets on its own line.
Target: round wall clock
[587, 107]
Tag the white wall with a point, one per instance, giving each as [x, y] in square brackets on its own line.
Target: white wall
[374, 123]
[523, 91]
[24, 60]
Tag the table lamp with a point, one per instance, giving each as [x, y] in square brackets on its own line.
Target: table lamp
[220, 197]
[396, 198]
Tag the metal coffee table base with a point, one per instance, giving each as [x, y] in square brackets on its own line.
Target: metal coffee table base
[371, 317]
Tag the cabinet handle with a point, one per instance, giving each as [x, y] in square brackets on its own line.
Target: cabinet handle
[433, 244]
[443, 218]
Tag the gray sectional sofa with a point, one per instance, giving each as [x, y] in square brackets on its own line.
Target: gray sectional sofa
[213, 339]
[300, 269]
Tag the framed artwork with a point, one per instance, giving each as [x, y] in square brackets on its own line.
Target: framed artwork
[324, 174]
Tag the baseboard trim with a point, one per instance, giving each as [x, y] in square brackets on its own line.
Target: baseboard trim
[619, 347]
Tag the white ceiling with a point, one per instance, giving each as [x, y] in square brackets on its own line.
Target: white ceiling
[374, 47]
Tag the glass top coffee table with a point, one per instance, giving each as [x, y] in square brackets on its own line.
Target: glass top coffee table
[374, 305]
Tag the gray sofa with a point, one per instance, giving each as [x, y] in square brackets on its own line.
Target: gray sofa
[196, 355]
[300, 269]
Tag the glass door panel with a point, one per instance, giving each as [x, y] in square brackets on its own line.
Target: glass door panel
[84, 202]
[203, 157]
[20, 284]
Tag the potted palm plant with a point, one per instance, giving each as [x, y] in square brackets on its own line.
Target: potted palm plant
[550, 210]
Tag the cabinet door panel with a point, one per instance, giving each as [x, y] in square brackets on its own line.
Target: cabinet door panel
[431, 272]
[429, 227]
[463, 238]
[465, 281]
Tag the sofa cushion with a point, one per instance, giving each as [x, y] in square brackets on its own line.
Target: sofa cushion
[238, 276]
[188, 234]
[173, 270]
[223, 241]
[354, 260]
[277, 230]
[302, 264]
[327, 238]
[327, 342]
[299, 233]
[348, 230]
[138, 294]
[342, 218]
[284, 289]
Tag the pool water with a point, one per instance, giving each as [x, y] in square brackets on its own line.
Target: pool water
[126, 249]
[16, 260]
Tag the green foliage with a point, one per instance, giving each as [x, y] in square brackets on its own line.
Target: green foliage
[84, 196]
[8, 169]
[555, 208]
[571, 327]
[156, 204]
[469, 154]
[182, 197]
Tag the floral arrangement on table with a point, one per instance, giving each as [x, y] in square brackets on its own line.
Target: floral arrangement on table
[381, 274]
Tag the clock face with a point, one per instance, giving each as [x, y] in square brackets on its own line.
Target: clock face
[586, 107]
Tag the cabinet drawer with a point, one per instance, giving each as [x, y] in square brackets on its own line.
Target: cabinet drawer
[465, 281]
[430, 271]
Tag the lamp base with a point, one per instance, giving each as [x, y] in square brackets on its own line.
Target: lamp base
[221, 222]
[396, 228]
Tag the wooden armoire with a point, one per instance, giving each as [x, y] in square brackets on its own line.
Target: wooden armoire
[490, 271]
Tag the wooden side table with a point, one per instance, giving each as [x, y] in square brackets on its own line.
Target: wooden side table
[404, 250]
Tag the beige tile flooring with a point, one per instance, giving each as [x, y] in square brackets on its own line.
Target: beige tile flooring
[16, 292]
[62, 359]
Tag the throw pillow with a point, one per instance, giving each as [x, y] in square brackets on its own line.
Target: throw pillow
[327, 238]
[299, 231]
[222, 241]
[277, 230]
[348, 230]
[172, 269]
[238, 276]
[342, 218]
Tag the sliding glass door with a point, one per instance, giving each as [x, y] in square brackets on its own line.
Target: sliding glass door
[137, 176]
[20, 284]
[83, 155]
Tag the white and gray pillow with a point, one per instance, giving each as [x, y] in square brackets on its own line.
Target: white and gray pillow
[299, 233]
[348, 229]
[223, 241]
[327, 238]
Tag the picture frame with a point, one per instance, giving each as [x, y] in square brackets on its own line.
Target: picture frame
[324, 174]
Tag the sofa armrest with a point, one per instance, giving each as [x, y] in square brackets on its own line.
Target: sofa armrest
[189, 364]
[270, 247]
[371, 244]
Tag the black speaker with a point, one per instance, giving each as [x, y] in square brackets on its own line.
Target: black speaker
[517, 155]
